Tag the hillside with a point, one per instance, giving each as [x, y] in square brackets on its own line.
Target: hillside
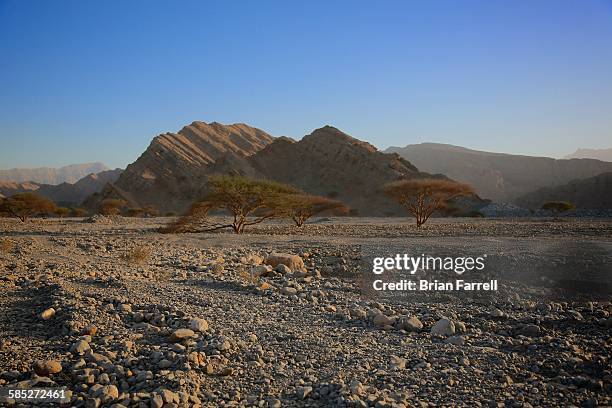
[171, 174]
[53, 176]
[590, 193]
[498, 176]
[173, 169]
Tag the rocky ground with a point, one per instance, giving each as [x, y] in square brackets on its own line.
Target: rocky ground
[124, 316]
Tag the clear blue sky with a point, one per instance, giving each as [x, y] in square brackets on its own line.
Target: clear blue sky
[96, 81]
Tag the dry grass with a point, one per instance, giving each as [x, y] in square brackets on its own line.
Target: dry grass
[248, 277]
[6, 245]
[139, 255]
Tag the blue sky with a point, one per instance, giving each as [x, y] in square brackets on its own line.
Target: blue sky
[96, 81]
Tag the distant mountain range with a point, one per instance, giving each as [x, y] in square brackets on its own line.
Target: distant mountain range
[592, 193]
[497, 176]
[599, 154]
[64, 193]
[53, 176]
[171, 174]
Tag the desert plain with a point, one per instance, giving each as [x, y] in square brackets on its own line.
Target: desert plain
[124, 316]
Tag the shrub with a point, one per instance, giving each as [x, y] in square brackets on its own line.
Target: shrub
[135, 212]
[423, 197]
[26, 205]
[111, 206]
[138, 255]
[300, 207]
[150, 211]
[6, 245]
[62, 211]
[558, 207]
[78, 212]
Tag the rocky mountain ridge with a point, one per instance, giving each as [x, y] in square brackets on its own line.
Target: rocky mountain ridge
[171, 174]
[499, 176]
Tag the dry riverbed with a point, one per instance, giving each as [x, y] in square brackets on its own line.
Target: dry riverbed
[124, 316]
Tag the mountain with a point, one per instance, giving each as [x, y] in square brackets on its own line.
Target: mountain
[498, 176]
[593, 193]
[173, 169]
[331, 163]
[64, 193]
[599, 154]
[172, 173]
[48, 175]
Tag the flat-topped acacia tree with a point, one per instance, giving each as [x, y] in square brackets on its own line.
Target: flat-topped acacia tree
[26, 205]
[423, 197]
[248, 201]
[558, 207]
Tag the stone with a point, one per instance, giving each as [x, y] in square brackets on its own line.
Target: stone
[358, 313]
[410, 324]
[443, 327]
[303, 392]
[282, 269]
[163, 364]
[80, 347]
[107, 393]
[157, 401]
[198, 324]
[89, 330]
[47, 313]
[169, 396]
[356, 388]
[530, 330]
[46, 368]
[288, 290]
[181, 334]
[260, 270]
[293, 262]
[456, 340]
[381, 320]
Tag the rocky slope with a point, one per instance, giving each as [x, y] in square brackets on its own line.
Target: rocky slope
[599, 154]
[331, 163]
[497, 176]
[64, 193]
[171, 172]
[47, 175]
[593, 193]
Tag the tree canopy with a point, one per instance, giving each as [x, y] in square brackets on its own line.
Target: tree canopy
[26, 205]
[423, 197]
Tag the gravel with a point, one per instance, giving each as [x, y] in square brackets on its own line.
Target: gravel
[193, 325]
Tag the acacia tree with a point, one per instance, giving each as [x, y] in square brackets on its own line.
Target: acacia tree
[247, 200]
[62, 211]
[423, 197]
[558, 207]
[111, 206]
[26, 205]
[300, 207]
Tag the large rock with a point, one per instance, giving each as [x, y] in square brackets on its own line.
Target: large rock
[293, 262]
[198, 324]
[181, 334]
[443, 327]
[46, 368]
[410, 323]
